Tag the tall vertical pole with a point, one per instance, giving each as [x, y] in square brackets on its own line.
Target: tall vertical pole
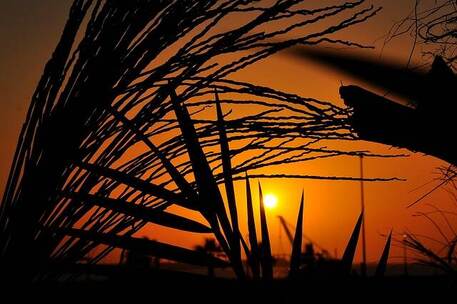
[362, 201]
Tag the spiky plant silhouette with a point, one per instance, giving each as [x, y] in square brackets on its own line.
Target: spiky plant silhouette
[121, 127]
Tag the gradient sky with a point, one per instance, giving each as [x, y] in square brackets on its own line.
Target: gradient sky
[29, 30]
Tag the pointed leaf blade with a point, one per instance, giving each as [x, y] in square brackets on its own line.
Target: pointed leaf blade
[382, 265]
[228, 180]
[137, 183]
[297, 243]
[255, 256]
[160, 217]
[349, 252]
[207, 186]
[177, 177]
[146, 246]
[266, 257]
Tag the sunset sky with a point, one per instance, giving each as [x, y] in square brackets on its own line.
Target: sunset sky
[29, 31]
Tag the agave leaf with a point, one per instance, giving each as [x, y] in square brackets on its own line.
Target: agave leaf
[255, 256]
[140, 212]
[349, 252]
[297, 243]
[266, 257]
[144, 186]
[382, 265]
[146, 246]
[227, 171]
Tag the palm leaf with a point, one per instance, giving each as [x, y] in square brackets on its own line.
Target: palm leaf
[382, 265]
[146, 246]
[297, 243]
[266, 257]
[206, 183]
[208, 190]
[177, 177]
[228, 181]
[143, 213]
[349, 252]
[255, 256]
[139, 184]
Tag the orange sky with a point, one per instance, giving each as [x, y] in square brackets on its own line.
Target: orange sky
[29, 35]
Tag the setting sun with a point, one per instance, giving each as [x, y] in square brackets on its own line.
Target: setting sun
[270, 201]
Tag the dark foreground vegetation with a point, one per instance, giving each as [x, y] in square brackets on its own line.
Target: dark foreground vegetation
[135, 113]
[203, 289]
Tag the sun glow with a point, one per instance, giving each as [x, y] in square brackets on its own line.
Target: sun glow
[270, 201]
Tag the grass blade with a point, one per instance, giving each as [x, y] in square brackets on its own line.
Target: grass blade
[266, 257]
[139, 184]
[382, 265]
[248, 255]
[227, 171]
[144, 213]
[297, 243]
[349, 252]
[209, 192]
[177, 177]
[255, 256]
[146, 246]
[208, 189]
